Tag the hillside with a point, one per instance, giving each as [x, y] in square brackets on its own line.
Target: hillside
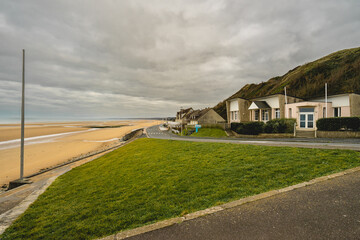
[341, 70]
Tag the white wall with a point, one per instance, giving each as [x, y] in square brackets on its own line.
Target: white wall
[272, 101]
[337, 101]
[234, 105]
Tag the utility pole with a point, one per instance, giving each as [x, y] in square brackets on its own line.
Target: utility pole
[22, 119]
[326, 108]
[21, 180]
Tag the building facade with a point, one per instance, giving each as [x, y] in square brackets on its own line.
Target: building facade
[306, 113]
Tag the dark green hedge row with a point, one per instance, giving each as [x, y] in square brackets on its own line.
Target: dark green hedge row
[338, 123]
[282, 125]
[273, 126]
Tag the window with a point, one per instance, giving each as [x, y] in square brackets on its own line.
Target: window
[234, 115]
[308, 109]
[324, 112]
[290, 113]
[277, 112]
[337, 112]
[256, 116]
[265, 115]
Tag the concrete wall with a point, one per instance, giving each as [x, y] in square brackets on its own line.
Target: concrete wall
[337, 134]
[244, 113]
[284, 112]
[354, 105]
[318, 111]
[345, 111]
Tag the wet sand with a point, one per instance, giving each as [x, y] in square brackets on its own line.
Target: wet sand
[59, 149]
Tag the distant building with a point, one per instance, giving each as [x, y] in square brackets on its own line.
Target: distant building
[205, 116]
[182, 115]
[306, 113]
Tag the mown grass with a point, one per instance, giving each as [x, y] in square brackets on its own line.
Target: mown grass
[151, 180]
[209, 132]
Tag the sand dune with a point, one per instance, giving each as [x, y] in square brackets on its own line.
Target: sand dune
[60, 148]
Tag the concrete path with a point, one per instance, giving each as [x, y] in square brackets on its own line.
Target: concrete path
[325, 143]
[325, 210]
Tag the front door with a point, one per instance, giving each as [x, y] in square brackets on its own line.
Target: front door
[306, 120]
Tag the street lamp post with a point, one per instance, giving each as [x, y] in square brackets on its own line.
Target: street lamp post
[22, 119]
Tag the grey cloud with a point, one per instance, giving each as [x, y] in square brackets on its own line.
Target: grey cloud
[148, 58]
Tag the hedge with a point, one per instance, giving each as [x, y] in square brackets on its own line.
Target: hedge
[338, 123]
[282, 125]
[248, 128]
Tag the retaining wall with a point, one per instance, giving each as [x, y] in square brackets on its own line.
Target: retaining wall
[133, 133]
[337, 134]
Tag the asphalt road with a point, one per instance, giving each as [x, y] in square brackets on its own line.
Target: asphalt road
[325, 210]
[326, 143]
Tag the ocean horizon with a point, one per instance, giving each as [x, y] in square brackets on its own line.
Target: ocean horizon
[17, 120]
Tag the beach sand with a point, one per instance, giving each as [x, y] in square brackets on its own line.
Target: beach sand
[59, 149]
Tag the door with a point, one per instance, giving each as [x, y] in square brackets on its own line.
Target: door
[306, 120]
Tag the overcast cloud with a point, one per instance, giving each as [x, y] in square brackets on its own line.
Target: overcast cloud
[148, 58]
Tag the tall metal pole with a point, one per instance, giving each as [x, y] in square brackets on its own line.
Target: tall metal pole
[22, 119]
[326, 107]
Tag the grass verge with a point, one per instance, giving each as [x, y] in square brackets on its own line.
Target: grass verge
[209, 132]
[151, 180]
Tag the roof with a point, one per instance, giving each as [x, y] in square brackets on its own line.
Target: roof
[184, 110]
[198, 113]
[263, 96]
[259, 105]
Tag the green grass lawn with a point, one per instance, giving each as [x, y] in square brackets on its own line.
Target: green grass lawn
[209, 132]
[151, 180]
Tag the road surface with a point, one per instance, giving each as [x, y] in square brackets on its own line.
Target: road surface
[326, 143]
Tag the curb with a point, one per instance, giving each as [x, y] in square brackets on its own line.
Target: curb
[201, 213]
[7, 218]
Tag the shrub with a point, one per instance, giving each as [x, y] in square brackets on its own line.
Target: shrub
[248, 128]
[338, 123]
[282, 125]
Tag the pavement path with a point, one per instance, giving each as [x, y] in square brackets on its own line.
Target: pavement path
[325, 210]
[326, 143]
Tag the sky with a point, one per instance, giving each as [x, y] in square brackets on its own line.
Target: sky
[136, 58]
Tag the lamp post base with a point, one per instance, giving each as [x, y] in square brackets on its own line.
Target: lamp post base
[18, 183]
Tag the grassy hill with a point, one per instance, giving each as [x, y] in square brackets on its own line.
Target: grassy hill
[341, 70]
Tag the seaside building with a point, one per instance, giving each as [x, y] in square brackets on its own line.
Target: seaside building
[205, 116]
[306, 112]
[200, 116]
[183, 115]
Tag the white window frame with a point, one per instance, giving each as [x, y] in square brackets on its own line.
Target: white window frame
[236, 115]
[256, 117]
[277, 112]
[338, 111]
[265, 115]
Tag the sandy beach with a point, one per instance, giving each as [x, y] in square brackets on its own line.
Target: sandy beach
[49, 144]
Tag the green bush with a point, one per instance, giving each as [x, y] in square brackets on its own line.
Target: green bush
[282, 125]
[338, 123]
[248, 128]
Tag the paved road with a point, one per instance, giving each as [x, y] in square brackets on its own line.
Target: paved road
[325, 210]
[328, 143]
